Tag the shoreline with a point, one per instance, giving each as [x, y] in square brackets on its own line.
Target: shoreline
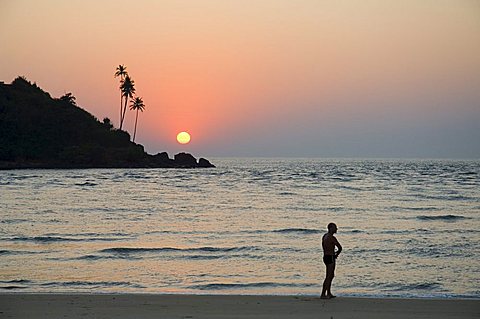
[7, 292]
[108, 305]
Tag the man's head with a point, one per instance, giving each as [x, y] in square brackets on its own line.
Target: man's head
[332, 228]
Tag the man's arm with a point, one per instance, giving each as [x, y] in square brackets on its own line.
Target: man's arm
[338, 246]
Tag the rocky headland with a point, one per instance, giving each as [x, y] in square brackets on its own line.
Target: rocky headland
[38, 131]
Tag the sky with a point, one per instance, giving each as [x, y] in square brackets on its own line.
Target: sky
[263, 78]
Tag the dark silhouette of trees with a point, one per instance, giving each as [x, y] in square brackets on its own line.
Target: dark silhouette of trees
[128, 90]
[121, 72]
[36, 129]
[68, 98]
[136, 105]
[107, 123]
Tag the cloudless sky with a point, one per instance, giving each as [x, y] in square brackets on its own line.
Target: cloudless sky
[359, 78]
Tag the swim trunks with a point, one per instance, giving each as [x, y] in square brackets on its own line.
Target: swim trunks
[328, 259]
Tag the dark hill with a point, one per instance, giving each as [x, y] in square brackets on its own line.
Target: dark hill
[38, 131]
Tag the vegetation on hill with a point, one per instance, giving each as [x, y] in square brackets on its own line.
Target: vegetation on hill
[38, 131]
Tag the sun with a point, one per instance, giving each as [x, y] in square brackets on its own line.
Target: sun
[183, 138]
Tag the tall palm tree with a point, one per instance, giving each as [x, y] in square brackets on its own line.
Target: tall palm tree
[136, 105]
[128, 90]
[121, 72]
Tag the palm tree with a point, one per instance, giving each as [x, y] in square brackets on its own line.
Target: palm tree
[136, 105]
[121, 72]
[128, 90]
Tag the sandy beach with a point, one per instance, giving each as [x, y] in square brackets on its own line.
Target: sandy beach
[231, 306]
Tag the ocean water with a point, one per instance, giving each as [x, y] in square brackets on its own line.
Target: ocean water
[409, 228]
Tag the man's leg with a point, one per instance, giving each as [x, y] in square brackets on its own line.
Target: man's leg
[327, 283]
[331, 275]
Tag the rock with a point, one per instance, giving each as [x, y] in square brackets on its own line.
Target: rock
[161, 160]
[202, 162]
[185, 160]
[162, 157]
[180, 160]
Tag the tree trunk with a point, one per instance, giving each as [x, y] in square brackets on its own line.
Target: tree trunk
[135, 129]
[121, 104]
[124, 110]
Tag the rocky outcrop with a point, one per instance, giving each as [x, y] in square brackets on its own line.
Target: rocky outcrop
[202, 162]
[186, 160]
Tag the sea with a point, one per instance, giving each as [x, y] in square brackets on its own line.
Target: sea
[250, 226]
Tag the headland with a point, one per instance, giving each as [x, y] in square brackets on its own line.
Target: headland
[38, 131]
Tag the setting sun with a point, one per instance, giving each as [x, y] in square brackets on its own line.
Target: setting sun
[183, 138]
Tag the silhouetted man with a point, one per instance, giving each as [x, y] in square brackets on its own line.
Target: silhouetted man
[329, 255]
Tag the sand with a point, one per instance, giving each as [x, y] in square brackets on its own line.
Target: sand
[209, 306]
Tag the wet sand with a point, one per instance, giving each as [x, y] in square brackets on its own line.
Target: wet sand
[212, 306]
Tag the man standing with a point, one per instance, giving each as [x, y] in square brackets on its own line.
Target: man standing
[329, 255]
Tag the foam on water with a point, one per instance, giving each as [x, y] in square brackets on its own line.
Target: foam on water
[128, 250]
[448, 218]
[297, 230]
[48, 239]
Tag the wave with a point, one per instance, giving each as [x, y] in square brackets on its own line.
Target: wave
[350, 188]
[192, 257]
[128, 250]
[221, 286]
[90, 284]
[4, 252]
[136, 176]
[24, 176]
[287, 194]
[12, 287]
[407, 231]
[14, 221]
[453, 197]
[86, 184]
[442, 217]
[467, 173]
[219, 232]
[15, 281]
[376, 251]
[89, 235]
[297, 230]
[428, 208]
[210, 257]
[416, 286]
[11, 284]
[99, 257]
[56, 221]
[49, 239]
[354, 231]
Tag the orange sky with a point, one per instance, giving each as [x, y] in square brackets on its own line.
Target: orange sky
[264, 78]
